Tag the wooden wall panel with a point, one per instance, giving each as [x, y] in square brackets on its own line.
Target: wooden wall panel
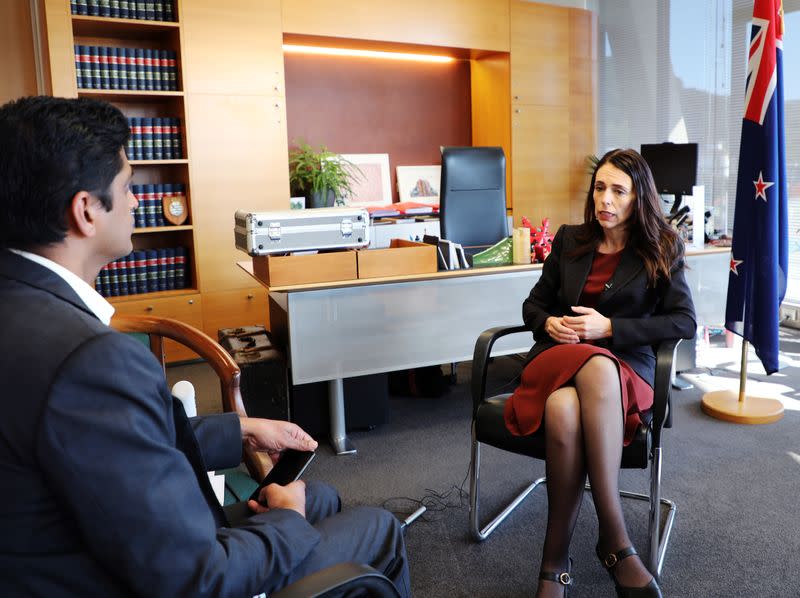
[475, 24]
[365, 105]
[235, 47]
[16, 48]
[491, 111]
[60, 57]
[238, 149]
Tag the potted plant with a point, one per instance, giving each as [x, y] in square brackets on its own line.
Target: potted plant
[324, 178]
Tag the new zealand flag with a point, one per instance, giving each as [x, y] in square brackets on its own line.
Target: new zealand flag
[759, 255]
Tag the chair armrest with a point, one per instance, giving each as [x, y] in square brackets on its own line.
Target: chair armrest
[340, 578]
[662, 389]
[480, 359]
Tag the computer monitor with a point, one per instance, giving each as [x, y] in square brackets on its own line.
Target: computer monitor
[674, 167]
[472, 205]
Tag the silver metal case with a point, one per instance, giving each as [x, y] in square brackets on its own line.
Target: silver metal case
[264, 233]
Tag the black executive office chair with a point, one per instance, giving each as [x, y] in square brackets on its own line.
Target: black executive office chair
[488, 427]
[472, 203]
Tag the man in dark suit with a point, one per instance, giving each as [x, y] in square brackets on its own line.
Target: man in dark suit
[103, 490]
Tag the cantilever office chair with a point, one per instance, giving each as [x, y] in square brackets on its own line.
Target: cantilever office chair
[488, 427]
[472, 204]
[333, 580]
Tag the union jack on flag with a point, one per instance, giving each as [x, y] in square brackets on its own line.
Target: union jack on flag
[759, 252]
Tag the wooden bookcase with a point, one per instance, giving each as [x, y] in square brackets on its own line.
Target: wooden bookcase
[63, 32]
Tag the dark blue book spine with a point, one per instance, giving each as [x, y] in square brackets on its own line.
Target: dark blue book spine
[148, 69]
[149, 205]
[136, 134]
[113, 68]
[94, 60]
[82, 7]
[159, 205]
[78, 66]
[129, 60]
[166, 139]
[151, 266]
[141, 75]
[105, 8]
[73, 7]
[140, 10]
[150, 10]
[169, 10]
[172, 69]
[162, 269]
[129, 150]
[113, 278]
[105, 74]
[158, 8]
[124, 9]
[122, 275]
[115, 12]
[175, 134]
[161, 60]
[147, 139]
[158, 138]
[93, 8]
[98, 282]
[170, 268]
[180, 267]
[139, 216]
[140, 270]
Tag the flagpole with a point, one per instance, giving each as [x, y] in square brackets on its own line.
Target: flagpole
[739, 408]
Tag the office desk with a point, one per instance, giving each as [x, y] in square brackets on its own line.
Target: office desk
[351, 328]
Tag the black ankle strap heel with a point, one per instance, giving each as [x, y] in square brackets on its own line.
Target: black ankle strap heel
[612, 559]
[564, 578]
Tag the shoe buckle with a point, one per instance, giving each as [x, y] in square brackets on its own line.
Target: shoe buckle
[610, 560]
[564, 579]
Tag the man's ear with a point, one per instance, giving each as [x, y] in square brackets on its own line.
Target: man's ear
[82, 212]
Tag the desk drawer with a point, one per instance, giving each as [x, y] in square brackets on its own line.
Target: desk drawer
[185, 308]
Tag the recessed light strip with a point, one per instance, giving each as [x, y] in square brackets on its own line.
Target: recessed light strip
[366, 53]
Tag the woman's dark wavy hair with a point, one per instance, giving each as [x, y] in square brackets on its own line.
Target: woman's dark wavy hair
[50, 149]
[651, 237]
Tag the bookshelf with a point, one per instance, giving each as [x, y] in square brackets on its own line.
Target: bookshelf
[137, 65]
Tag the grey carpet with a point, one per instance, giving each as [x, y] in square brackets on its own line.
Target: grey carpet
[736, 532]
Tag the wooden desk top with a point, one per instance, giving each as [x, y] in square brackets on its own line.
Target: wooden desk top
[247, 266]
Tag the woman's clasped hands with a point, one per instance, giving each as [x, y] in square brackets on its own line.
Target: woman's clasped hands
[588, 325]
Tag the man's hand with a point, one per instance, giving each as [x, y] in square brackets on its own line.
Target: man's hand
[292, 496]
[589, 326]
[560, 332]
[272, 436]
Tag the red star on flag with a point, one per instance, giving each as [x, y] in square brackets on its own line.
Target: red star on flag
[762, 186]
[734, 264]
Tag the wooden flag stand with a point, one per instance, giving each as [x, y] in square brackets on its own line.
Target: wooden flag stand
[739, 408]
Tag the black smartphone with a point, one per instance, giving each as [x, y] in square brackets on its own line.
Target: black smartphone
[289, 467]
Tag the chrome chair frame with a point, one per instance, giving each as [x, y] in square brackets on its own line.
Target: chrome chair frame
[648, 444]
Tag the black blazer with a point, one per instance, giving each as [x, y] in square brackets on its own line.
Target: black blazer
[640, 316]
[102, 484]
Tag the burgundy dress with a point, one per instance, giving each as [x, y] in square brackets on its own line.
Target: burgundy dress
[556, 367]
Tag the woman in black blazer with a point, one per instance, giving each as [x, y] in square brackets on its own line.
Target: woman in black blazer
[611, 288]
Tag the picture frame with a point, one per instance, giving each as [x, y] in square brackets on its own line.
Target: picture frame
[419, 184]
[371, 184]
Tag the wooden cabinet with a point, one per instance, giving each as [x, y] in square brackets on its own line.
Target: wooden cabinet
[186, 308]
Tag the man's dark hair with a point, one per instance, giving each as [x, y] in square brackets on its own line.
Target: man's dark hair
[50, 149]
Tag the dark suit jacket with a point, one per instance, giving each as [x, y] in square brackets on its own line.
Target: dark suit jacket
[103, 490]
[640, 316]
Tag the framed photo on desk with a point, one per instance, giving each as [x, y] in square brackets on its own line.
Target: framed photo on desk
[371, 179]
[419, 183]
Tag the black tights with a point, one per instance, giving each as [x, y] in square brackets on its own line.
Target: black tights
[584, 428]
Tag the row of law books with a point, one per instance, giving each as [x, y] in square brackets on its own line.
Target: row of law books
[138, 69]
[450, 256]
[143, 10]
[155, 139]
[150, 211]
[402, 208]
[143, 271]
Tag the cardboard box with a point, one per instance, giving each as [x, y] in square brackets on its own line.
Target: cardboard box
[400, 258]
[285, 270]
